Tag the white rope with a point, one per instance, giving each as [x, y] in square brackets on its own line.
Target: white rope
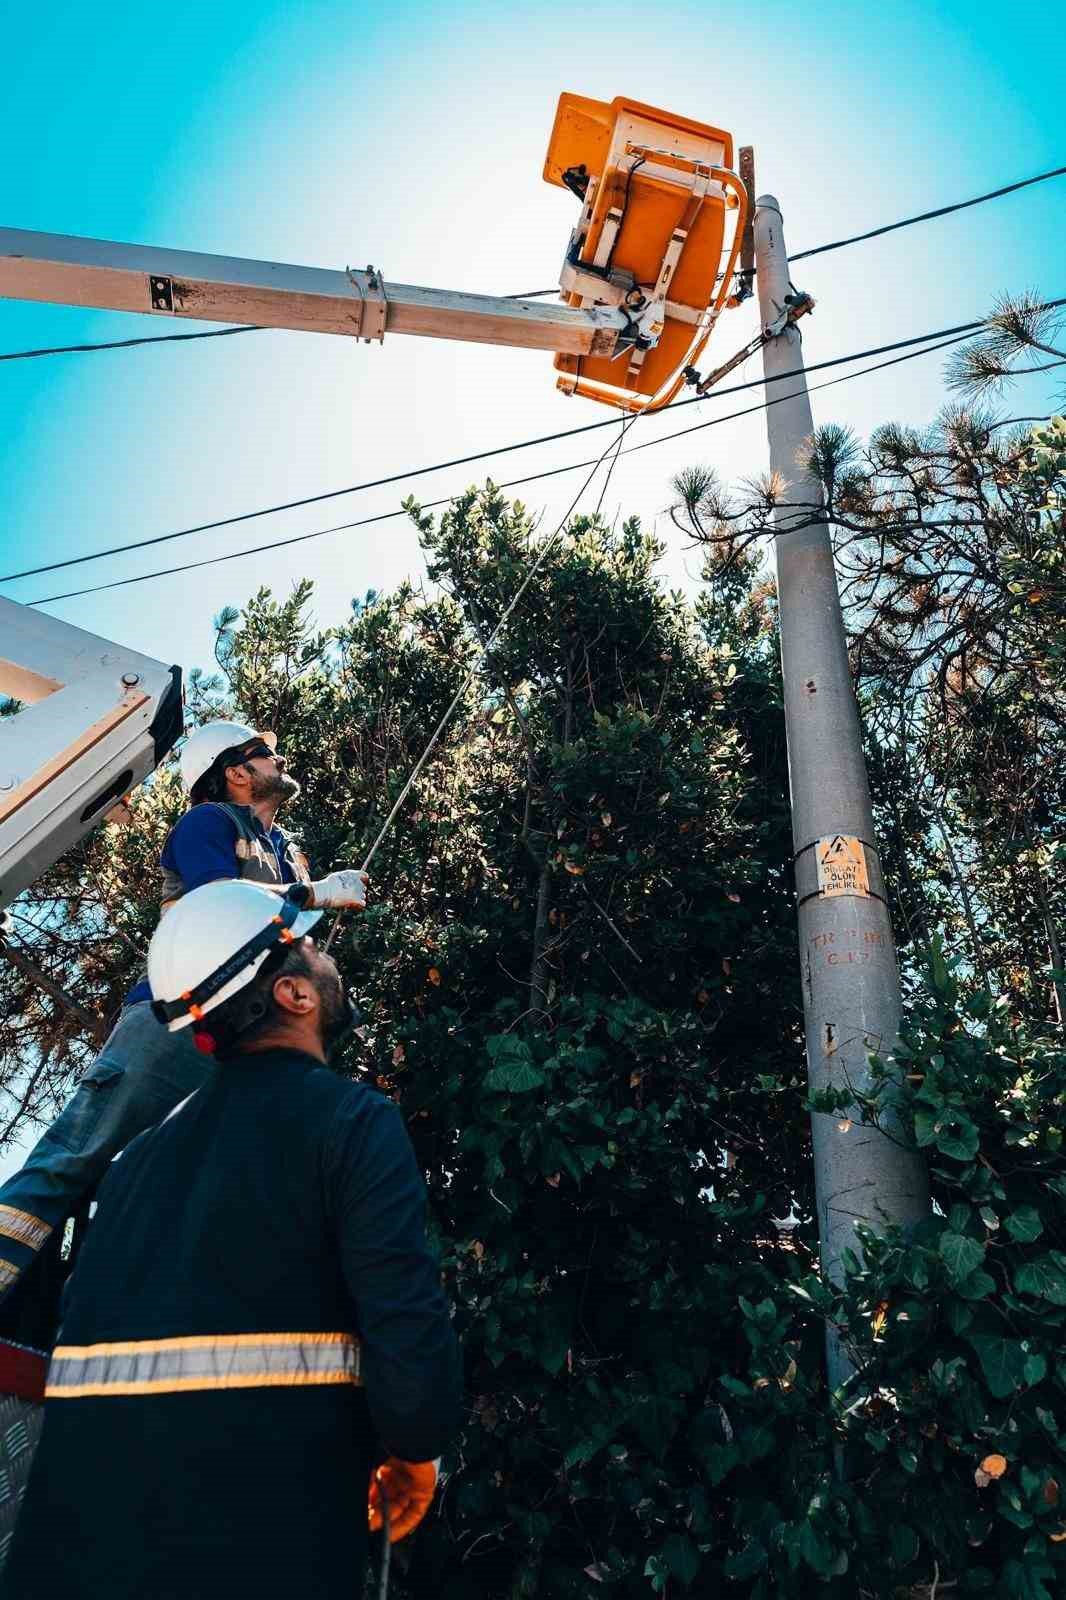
[482, 651]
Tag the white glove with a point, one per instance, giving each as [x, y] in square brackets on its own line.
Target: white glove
[344, 888]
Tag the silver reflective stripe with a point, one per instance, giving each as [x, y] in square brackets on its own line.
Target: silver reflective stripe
[223, 1361]
[24, 1227]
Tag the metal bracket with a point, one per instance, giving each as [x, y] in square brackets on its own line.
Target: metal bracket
[599, 285]
[797, 305]
[161, 294]
[374, 304]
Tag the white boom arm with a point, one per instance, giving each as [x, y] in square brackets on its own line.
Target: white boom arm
[269, 294]
[95, 720]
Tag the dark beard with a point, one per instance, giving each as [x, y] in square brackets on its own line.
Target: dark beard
[278, 786]
[338, 1013]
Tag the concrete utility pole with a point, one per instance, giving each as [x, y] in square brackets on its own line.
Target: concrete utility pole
[851, 996]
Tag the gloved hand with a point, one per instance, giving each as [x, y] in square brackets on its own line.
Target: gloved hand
[344, 888]
[409, 1488]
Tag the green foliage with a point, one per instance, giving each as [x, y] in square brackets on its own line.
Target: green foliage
[959, 1328]
[578, 978]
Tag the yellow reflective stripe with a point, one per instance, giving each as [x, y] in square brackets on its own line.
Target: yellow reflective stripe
[233, 1361]
[8, 1273]
[23, 1227]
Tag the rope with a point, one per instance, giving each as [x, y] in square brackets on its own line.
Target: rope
[482, 651]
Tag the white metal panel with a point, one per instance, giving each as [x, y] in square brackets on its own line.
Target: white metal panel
[62, 755]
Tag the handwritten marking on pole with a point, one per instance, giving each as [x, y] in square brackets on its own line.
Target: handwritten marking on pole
[842, 866]
[847, 947]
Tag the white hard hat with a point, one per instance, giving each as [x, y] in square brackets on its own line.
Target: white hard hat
[204, 746]
[213, 942]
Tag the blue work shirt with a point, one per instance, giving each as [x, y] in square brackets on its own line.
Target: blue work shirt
[202, 848]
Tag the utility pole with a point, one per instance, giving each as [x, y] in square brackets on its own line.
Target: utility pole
[851, 996]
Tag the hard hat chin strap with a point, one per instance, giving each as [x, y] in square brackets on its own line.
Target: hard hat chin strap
[277, 931]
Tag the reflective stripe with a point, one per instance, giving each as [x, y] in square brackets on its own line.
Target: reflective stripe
[24, 1227]
[226, 1361]
[8, 1273]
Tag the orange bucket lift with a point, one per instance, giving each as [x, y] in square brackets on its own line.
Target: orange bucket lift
[655, 190]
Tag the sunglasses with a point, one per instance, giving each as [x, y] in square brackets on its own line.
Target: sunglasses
[257, 751]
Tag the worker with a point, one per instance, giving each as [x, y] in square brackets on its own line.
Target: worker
[255, 1325]
[237, 782]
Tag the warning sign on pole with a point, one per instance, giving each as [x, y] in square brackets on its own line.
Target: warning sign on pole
[842, 866]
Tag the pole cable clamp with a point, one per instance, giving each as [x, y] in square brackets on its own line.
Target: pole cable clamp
[374, 304]
[797, 304]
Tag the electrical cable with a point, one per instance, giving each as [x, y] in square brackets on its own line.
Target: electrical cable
[480, 455]
[610, 469]
[538, 294]
[124, 344]
[634, 169]
[512, 483]
[927, 216]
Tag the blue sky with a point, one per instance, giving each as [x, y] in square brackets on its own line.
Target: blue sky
[413, 136]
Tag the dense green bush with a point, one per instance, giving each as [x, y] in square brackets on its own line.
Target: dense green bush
[578, 979]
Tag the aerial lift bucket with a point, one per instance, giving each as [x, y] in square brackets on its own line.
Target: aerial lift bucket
[655, 192]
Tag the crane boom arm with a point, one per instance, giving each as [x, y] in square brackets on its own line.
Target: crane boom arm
[270, 294]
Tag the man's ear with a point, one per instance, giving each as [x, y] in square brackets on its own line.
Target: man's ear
[236, 777]
[295, 994]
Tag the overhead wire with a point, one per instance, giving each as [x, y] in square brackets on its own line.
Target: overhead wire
[126, 344]
[537, 294]
[480, 455]
[512, 483]
[928, 216]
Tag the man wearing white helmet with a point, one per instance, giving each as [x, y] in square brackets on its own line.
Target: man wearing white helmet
[255, 1348]
[236, 782]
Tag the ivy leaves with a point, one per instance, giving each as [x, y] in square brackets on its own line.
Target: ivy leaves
[513, 1070]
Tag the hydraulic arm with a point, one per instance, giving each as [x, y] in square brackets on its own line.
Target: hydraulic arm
[648, 270]
[270, 294]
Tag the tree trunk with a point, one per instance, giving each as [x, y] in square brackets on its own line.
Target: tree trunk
[964, 895]
[538, 970]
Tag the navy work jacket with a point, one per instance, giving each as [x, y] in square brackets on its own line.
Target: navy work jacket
[254, 1320]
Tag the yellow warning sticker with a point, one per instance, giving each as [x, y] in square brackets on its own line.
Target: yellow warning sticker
[842, 866]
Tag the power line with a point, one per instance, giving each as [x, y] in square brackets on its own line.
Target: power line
[125, 344]
[467, 460]
[927, 216]
[538, 294]
[910, 222]
[513, 483]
